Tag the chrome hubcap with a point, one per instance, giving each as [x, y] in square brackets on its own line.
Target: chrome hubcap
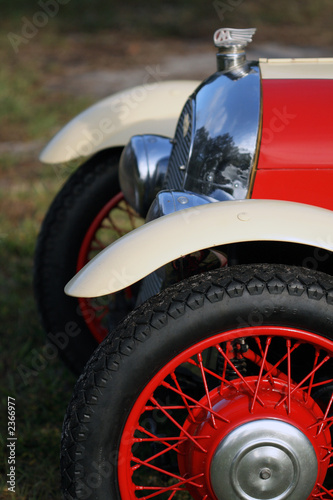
[264, 459]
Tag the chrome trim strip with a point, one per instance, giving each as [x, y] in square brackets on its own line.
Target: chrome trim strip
[168, 202]
[257, 150]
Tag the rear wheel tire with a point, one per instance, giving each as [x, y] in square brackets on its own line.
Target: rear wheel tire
[220, 387]
[90, 203]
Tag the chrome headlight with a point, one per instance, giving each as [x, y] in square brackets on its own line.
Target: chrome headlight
[142, 169]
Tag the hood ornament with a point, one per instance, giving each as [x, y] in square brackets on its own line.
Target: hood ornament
[231, 43]
[229, 37]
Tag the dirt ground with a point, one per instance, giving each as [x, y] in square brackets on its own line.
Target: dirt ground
[95, 66]
[108, 64]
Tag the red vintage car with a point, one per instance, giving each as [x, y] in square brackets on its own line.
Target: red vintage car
[219, 384]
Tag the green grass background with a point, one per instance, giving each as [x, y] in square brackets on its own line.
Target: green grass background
[30, 111]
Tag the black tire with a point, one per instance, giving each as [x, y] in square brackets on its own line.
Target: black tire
[125, 381]
[68, 219]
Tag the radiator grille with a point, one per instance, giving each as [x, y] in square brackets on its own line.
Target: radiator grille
[181, 149]
[174, 179]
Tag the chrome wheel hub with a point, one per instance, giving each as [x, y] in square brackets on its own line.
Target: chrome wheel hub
[264, 459]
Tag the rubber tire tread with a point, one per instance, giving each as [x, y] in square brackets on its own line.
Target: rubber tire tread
[67, 221]
[158, 330]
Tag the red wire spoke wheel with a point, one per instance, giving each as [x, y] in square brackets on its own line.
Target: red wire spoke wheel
[218, 388]
[261, 436]
[114, 220]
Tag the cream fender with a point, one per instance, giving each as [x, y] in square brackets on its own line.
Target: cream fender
[163, 240]
[153, 108]
[317, 68]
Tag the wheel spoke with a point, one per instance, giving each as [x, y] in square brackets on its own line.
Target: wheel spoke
[319, 384]
[176, 487]
[233, 367]
[114, 220]
[310, 387]
[198, 403]
[326, 419]
[273, 369]
[305, 379]
[266, 365]
[268, 342]
[180, 427]
[224, 381]
[159, 454]
[322, 494]
[115, 227]
[97, 245]
[218, 377]
[181, 480]
[288, 343]
[131, 215]
[189, 414]
[329, 454]
[152, 438]
[174, 378]
[206, 389]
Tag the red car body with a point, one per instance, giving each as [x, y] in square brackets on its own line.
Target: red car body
[296, 157]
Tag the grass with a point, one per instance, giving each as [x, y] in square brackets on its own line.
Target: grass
[32, 108]
[27, 112]
[41, 386]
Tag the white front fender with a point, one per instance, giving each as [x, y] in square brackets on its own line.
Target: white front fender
[153, 108]
[163, 240]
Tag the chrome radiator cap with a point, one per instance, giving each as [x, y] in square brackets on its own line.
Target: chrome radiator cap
[231, 43]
